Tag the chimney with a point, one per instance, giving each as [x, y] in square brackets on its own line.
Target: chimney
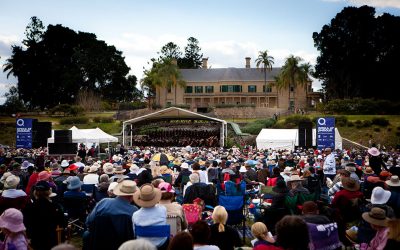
[248, 62]
[204, 64]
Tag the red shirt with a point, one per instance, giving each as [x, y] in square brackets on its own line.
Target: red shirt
[343, 196]
[32, 181]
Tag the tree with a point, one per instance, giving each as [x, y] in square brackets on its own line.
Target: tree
[292, 75]
[266, 61]
[170, 51]
[192, 58]
[13, 104]
[358, 54]
[59, 63]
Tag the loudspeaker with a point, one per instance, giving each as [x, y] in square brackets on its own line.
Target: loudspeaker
[62, 148]
[40, 132]
[305, 134]
[62, 136]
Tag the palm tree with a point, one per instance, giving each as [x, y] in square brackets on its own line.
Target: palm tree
[170, 75]
[292, 74]
[308, 70]
[266, 61]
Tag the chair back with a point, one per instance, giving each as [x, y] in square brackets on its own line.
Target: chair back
[152, 231]
[234, 207]
[192, 212]
[172, 221]
[324, 236]
[76, 207]
[88, 188]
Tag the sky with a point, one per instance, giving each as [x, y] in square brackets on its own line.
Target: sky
[227, 30]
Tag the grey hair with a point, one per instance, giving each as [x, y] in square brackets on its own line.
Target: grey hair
[139, 244]
[194, 178]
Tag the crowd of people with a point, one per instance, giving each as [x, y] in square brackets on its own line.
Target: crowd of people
[292, 199]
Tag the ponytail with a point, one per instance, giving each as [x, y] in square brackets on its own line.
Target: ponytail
[221, 228]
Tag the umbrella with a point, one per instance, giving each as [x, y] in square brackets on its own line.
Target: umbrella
[162, 157]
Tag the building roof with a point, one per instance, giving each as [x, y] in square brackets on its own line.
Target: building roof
[173, 113]
[227, 74]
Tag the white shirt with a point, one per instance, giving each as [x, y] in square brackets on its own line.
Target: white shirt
[329, 164]
[91, 179]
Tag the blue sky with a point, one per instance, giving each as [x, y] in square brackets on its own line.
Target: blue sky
[228, 31]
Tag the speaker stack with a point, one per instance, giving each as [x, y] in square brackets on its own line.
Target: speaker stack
[62, 143]
[41, 131]
[305, 134]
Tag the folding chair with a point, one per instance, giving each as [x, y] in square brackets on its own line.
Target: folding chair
[88, 188]
[152, 231]
[234, 206]
[76, 212]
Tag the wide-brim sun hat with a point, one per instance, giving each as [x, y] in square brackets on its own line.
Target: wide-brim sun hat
[43, 176]
[11, 182]
[133, 167]
[13, 220]
[350, 184]
[374, 151]
[108, 168]
[242, 169]
[147, 196]
[119, 170]
[376, 216]
[368, 170]
[74, 183]
[380, 196]
[64, 164]
[394, 181]
[294, 177]
[125, 188]
[185, 165]
[93, 169]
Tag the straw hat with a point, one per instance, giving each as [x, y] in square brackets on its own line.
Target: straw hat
[376, 216]
[350, 184]
[294, 177]
[369, 170]
[133, 168]
[125, 188]
[93, 169]
[148, 196]
[108, 168]
[394, 181]
[119, 169]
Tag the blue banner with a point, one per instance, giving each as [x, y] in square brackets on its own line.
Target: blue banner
[24, 133]
[326, 132]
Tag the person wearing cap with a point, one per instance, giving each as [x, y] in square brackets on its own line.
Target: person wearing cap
[92, 177]
[150, 213]
[42, 217]
[13, 228]
[119, 208]
[378, 221]
[11, 197]
[394, 187]
[173, 208]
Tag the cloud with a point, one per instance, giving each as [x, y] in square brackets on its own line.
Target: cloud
[373, 3]
[5, 45]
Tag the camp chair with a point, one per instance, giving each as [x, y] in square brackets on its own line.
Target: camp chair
[172, 221]
[76, 211]
[324, 236]
[234, 206]
[192, 213]
[291, 203]
[152, 231]
[167, 178]
[88, 188]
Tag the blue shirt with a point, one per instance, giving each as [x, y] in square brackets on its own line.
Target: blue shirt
[151, 216]
[74, 194]
[111, 206]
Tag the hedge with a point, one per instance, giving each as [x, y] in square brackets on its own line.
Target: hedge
[360, 106]
[100, 119]
[74, 120]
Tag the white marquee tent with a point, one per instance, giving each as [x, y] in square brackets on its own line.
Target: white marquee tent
[86, 136]
[287, 139]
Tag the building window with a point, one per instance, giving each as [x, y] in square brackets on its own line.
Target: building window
[189, 89]
[291, 88]
[198, 89]
[252, 88]
[209, 89]
[268, 89]
[169, 89]
[231, 88]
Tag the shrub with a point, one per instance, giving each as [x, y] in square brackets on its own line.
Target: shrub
[131, 105]
[360, 106]
[296, 119]
[358, 122]
[155, 106]
[366, 123]
[341, 120]
[74, 120]
[67, 109]
[380, 121]
[182, 106]
[255, 127]
[100, 119]
[377, 129]
[350, 124]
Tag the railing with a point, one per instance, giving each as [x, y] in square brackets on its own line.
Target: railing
[222, 94]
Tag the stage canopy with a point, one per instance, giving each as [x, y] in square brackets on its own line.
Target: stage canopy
[171, 114]
[287, 139]
[86, 136]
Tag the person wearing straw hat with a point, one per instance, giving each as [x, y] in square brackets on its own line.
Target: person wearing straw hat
[118, 173]
[92, 177]
[394, 188]
[297, 188]
[119, 210]
[378, 221]
[150, 213]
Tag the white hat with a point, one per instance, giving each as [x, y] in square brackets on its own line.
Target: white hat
[242, 169]
[185, 165]
[380, 196]
[287, 170]
[64, 163]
